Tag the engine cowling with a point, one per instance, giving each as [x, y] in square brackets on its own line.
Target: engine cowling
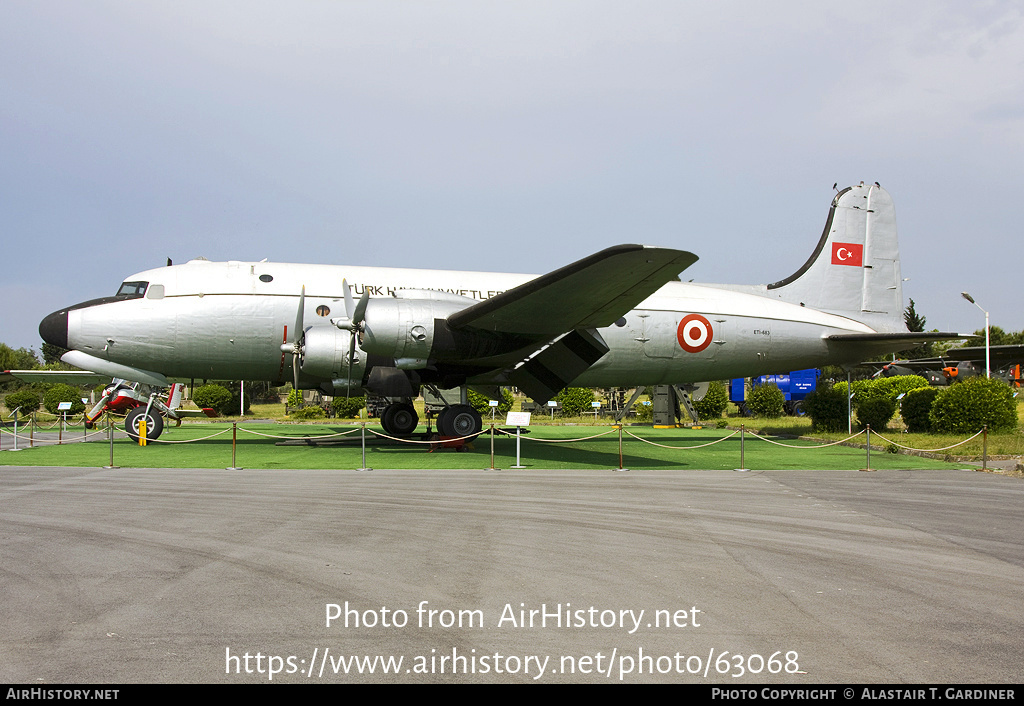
[403, 328]
[325, 355]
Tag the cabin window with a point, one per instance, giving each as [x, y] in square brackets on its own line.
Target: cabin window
[266, 278]
[132, 290]
[155, 291]
[323, 310]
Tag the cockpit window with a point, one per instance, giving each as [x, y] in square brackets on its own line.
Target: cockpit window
[132, 290]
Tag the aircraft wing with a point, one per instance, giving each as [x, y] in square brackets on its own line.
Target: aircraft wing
[998, 354]
[72, 377]
[591, 293]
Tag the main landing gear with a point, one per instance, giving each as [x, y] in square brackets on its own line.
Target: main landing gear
[455, 421]
[399, 419]
[459, 420]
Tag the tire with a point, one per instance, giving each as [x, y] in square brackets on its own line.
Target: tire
[154, 423]
[459, 420]
[400, 419]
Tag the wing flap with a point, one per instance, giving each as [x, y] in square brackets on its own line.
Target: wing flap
[591, 293]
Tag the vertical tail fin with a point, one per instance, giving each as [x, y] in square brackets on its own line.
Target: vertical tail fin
[855, 269]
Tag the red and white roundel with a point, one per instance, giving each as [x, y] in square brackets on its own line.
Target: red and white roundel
[695, 333]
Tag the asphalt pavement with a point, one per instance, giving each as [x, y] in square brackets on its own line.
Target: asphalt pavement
[794, 577]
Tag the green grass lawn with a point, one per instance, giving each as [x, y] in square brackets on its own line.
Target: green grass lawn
[203, 450]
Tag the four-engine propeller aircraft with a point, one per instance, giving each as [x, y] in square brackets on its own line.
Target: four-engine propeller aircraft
[618, 318]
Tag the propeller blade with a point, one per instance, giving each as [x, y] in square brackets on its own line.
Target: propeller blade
[349, 302]
[298, 315]
[360, 312]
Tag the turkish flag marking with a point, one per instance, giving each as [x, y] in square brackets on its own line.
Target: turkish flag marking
[847, 254]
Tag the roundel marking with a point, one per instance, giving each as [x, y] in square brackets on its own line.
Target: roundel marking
[694, 333]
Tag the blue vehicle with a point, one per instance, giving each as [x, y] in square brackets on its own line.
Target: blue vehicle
[795, 386]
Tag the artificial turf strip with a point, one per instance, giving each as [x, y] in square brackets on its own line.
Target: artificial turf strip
[255, 452]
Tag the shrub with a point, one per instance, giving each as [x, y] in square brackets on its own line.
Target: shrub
[575, 401]
[63, 393]
[875, 412]
[766, 401]
[347, 407]
[294, 398]
[891, 387]
[967, 406]
[311, 412]
[915, 408]
[28, 400]
[826, 407]
[713, 403]
[216, 397]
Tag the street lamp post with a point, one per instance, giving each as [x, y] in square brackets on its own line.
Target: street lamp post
[988, 366]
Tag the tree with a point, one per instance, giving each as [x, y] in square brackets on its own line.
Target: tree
[63, 393]
[916, 323]
[52, 353]
[575, 401]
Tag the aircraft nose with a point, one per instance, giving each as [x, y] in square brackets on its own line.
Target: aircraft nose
[54, 328]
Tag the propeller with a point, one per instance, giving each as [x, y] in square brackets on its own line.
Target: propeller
[298, 337]
[355, 314]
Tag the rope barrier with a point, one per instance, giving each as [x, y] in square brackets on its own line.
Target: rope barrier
[683, 448]
[944, 448]
[278, 436]
[804, 446]
[560, 441]
[446, 440]
[185, 441]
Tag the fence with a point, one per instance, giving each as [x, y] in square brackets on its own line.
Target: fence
[34, 428]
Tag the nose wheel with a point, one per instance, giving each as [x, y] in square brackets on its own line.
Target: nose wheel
[154, 423]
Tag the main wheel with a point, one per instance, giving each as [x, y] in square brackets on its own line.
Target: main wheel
[459, 420]
[400, 419]
[154, 423]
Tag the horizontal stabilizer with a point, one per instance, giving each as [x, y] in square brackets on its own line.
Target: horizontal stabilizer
[591, 293]
[898, 339]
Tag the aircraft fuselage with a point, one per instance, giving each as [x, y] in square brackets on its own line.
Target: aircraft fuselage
[209, 320]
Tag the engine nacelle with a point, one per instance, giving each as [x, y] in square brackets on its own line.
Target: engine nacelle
[403, 328]
[325, 355]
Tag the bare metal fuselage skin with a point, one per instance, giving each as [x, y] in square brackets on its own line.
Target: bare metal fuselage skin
[209, 320]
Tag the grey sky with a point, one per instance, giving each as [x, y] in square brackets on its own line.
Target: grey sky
[514, 136]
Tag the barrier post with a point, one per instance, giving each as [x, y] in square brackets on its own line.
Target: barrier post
[110, 436]
[984, 445]
[234, 442]
[32, 432]
[16, 429]
[620, 449]
[60, 432]
[143, 431]
[362, 435]
[743, 432]
[492, 442]
[867, 431]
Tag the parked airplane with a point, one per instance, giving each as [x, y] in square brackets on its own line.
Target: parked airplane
[958, 364]
[618, 318]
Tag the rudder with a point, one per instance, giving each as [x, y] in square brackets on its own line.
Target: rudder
[855, 268]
